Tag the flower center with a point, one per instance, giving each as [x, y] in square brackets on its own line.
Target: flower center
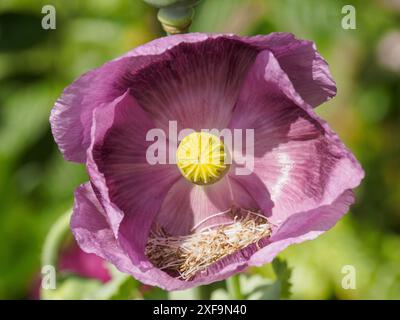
[202, 158]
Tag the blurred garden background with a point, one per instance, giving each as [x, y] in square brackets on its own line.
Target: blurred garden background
[36, 184]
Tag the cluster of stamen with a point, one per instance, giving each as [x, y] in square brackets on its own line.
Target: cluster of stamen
[193, 253]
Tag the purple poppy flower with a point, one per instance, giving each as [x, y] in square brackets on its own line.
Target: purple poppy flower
[181, 225]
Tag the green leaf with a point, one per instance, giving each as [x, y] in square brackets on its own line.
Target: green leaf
[121, 287]
[156, 294]
[283, 273]
[260, 288]
[256, 287]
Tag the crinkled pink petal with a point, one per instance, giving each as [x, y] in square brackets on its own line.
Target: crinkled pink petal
[199, 207]
[254, 186]
[306, 68]
[92, 232]
[303, 226]
[196, 84]
[71, 116]
[103, 120]
[94, 235]
[300, 60]
[300, 160]
[131, 190]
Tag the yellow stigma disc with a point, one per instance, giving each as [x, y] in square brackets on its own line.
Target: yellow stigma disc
[202, 158]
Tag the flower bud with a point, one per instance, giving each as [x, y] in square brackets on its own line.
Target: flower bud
[174, 15]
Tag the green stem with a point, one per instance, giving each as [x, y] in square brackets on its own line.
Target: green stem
[54, 240]
[200, 293]
[233, 286]
[52, 244]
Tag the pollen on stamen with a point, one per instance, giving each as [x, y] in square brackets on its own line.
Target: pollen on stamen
[193, 253]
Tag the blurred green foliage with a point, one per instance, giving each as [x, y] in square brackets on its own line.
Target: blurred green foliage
[36, 184]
